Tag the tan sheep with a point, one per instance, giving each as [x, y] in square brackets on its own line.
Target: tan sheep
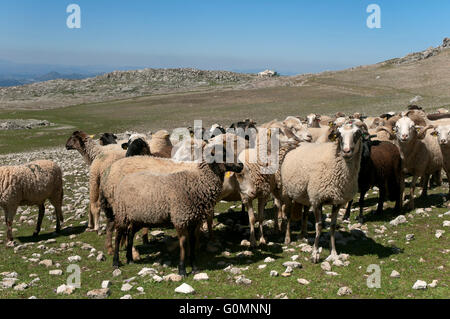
[160, 144]
[31, 184]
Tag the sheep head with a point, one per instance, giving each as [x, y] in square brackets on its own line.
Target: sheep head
[77, 140]
[441, 132]
[349, 138]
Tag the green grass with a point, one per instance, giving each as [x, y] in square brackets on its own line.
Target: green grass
[373, 250]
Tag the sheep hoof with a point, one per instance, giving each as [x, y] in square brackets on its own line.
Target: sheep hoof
[315, 257]
[262, 241]
[89, 230]
[182, 271]
[130, 262]
[287, 241]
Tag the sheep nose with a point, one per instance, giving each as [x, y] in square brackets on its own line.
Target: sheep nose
[404, 136]
[443, 141]
[346, 150]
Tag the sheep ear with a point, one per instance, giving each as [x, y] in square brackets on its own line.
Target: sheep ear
[331, 124]
[434, 133]
[333, 136]
[125, 146]
[91, 136]
[423, 131]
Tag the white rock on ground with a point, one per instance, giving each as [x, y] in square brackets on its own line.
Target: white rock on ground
[401, 219]
[269, 260]
[303, 281]
[65, 289]
[395, 274]
[433, 284]
[99, 293]
[126, 287]
[446, 223]
[201, 276]
[106, 284]
[184, 289]
[46, 262]
[243, 280]
[273, 273]
[325, 266]
[126, 297]
[74, 258]
[21, 287]
[344, 291]
[147, 272]
[419, 284]
[172, 277]
[157, 278]
[117, 272]
[439, 233]
[292, 264]
[409, 237]
[55, 272]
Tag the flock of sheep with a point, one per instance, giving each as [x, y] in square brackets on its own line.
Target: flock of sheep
[153, 181]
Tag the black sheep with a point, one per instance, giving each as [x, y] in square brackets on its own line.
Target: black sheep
[381, 166]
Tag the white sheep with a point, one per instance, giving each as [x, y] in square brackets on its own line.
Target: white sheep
[31, 184]
[316, 174]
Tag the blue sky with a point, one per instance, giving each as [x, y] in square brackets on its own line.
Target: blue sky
[290, 36]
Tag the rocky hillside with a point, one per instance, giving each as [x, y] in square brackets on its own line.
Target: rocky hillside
[119, 85]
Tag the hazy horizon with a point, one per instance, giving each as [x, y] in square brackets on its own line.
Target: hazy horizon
[291, 37]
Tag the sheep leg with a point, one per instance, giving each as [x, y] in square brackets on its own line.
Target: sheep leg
[288, 211]
[9, 220]
[130, 237]
[361, 207]
[411, 194]
[95, 212]
[182, 237]
[108, 239]
[347, 211]
[192, 248]
[251, 219]
[425, 179]
[39, 220]
[145, 236]
[261, 206]
[381, 198]
[280, 213]
[334, 213]
[304, 232]
[210, 225]
[119, 234]
[318, 215]
[57, 203]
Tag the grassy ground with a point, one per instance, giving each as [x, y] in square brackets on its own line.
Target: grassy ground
[399, 255]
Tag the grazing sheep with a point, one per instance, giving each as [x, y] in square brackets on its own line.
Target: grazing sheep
[420, 152]
[31, 184]
[107, 139]
[183, 198]
[318, 174]
[381, 166]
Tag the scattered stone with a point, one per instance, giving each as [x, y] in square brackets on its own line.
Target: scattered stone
[185, 289]
[332, 273]
[269, 260]
[245, 243]
[243, 280]
[99, 293]
[395, 274]
[126, 287]
[101, 257]
[446, 223]
[74, 258]
[56, 272]
[292, 264]
[273, 273]
[262, 266]
[325, 266]
[126, 297]
[419, 284]
[409, 237]
[344, 291]
[157, 278]
[21, 287]
[201, 276]
[432, 285]
[147, 272]
[106, 284]
[172, 277]
[439, 233]
[117, 272]
[294, 257]
[401, 219]
[9, 282]
[65, 289]
[286, 274]
[303, 281]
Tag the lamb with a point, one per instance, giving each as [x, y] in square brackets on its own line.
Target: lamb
[381, 166]
[316, 174]
[31, 184]
[420, 152]
[442, 132]
[184, 198]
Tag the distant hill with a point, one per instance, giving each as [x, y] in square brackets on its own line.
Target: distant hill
[425, 73]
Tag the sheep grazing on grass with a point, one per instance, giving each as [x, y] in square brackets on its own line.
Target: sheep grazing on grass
[107, 139]
[420, 152]
[31, 184]
[381, 166]
[184, 198]
[322, 174]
